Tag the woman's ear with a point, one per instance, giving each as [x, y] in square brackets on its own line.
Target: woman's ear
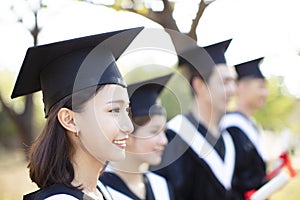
[66, 119]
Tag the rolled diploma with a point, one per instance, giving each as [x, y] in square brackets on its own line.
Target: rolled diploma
[272, 186]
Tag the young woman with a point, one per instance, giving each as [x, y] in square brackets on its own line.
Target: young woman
[130, 179]
[86, 106]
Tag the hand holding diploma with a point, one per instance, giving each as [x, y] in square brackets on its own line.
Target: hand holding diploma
[277, 179]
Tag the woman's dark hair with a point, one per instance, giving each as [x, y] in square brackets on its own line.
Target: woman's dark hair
[141, 120]
[51, 153]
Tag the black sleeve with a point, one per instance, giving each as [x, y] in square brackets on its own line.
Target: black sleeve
[250, 168]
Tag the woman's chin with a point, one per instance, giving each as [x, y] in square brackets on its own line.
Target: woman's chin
[154, 162]
[117, 156]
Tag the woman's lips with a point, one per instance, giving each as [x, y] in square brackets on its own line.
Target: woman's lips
[121, 143]
[159, 151]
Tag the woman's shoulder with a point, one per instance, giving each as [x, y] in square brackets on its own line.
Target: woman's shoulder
[55, 192]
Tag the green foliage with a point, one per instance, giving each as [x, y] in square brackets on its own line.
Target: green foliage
[145, 72]
[276, 115]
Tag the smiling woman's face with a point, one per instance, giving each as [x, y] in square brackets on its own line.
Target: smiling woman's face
[148, 141]
[104, 124]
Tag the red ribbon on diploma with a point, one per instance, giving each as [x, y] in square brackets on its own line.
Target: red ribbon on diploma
[285, 162]
[278, 178]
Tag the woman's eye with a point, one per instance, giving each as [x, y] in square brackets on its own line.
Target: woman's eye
[115, 110]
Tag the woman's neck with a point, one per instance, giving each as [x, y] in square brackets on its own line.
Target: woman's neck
[131, 164]
[131, 172]
[135, 182]
[86, 173]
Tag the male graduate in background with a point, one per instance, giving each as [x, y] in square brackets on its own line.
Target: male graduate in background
[250, 167]
[205, 161]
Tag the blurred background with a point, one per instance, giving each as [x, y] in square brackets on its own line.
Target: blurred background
[266, 28]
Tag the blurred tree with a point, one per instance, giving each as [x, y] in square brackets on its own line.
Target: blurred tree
[160, 11]
[23, 121]
[8, 130]
[175, 99]
[8, 127]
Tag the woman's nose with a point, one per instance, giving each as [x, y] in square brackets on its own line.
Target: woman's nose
[127, 126]
[162, 138]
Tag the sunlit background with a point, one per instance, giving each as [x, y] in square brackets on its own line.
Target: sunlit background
[268, 28]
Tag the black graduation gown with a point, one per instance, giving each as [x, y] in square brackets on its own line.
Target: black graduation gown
[114, 181]
[190, 176]
[55, 190]
[250, 169]
[58, 189]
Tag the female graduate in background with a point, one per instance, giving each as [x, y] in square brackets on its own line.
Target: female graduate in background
[86, 106]
[130, 179]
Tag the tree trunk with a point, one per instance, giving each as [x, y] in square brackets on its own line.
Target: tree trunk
[164, 17]
[23, 122]
[201, 9]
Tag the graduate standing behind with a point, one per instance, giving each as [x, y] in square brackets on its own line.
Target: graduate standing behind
[205, 168]
[82, 91]
[250, 168]
[131, 179]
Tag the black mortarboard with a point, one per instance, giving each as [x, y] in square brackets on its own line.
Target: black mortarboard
[143, 96]
[198, 61]
[249, 69]
[217, 51]
[203, 59]
[63, 68]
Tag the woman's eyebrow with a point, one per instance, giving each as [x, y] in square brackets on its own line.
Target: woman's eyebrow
[118, 101]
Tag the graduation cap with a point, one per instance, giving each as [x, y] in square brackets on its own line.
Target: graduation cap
[143, 96]
[203, 59]
[198, 62]
[64, 68]
[217, 51]
[249, 69]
